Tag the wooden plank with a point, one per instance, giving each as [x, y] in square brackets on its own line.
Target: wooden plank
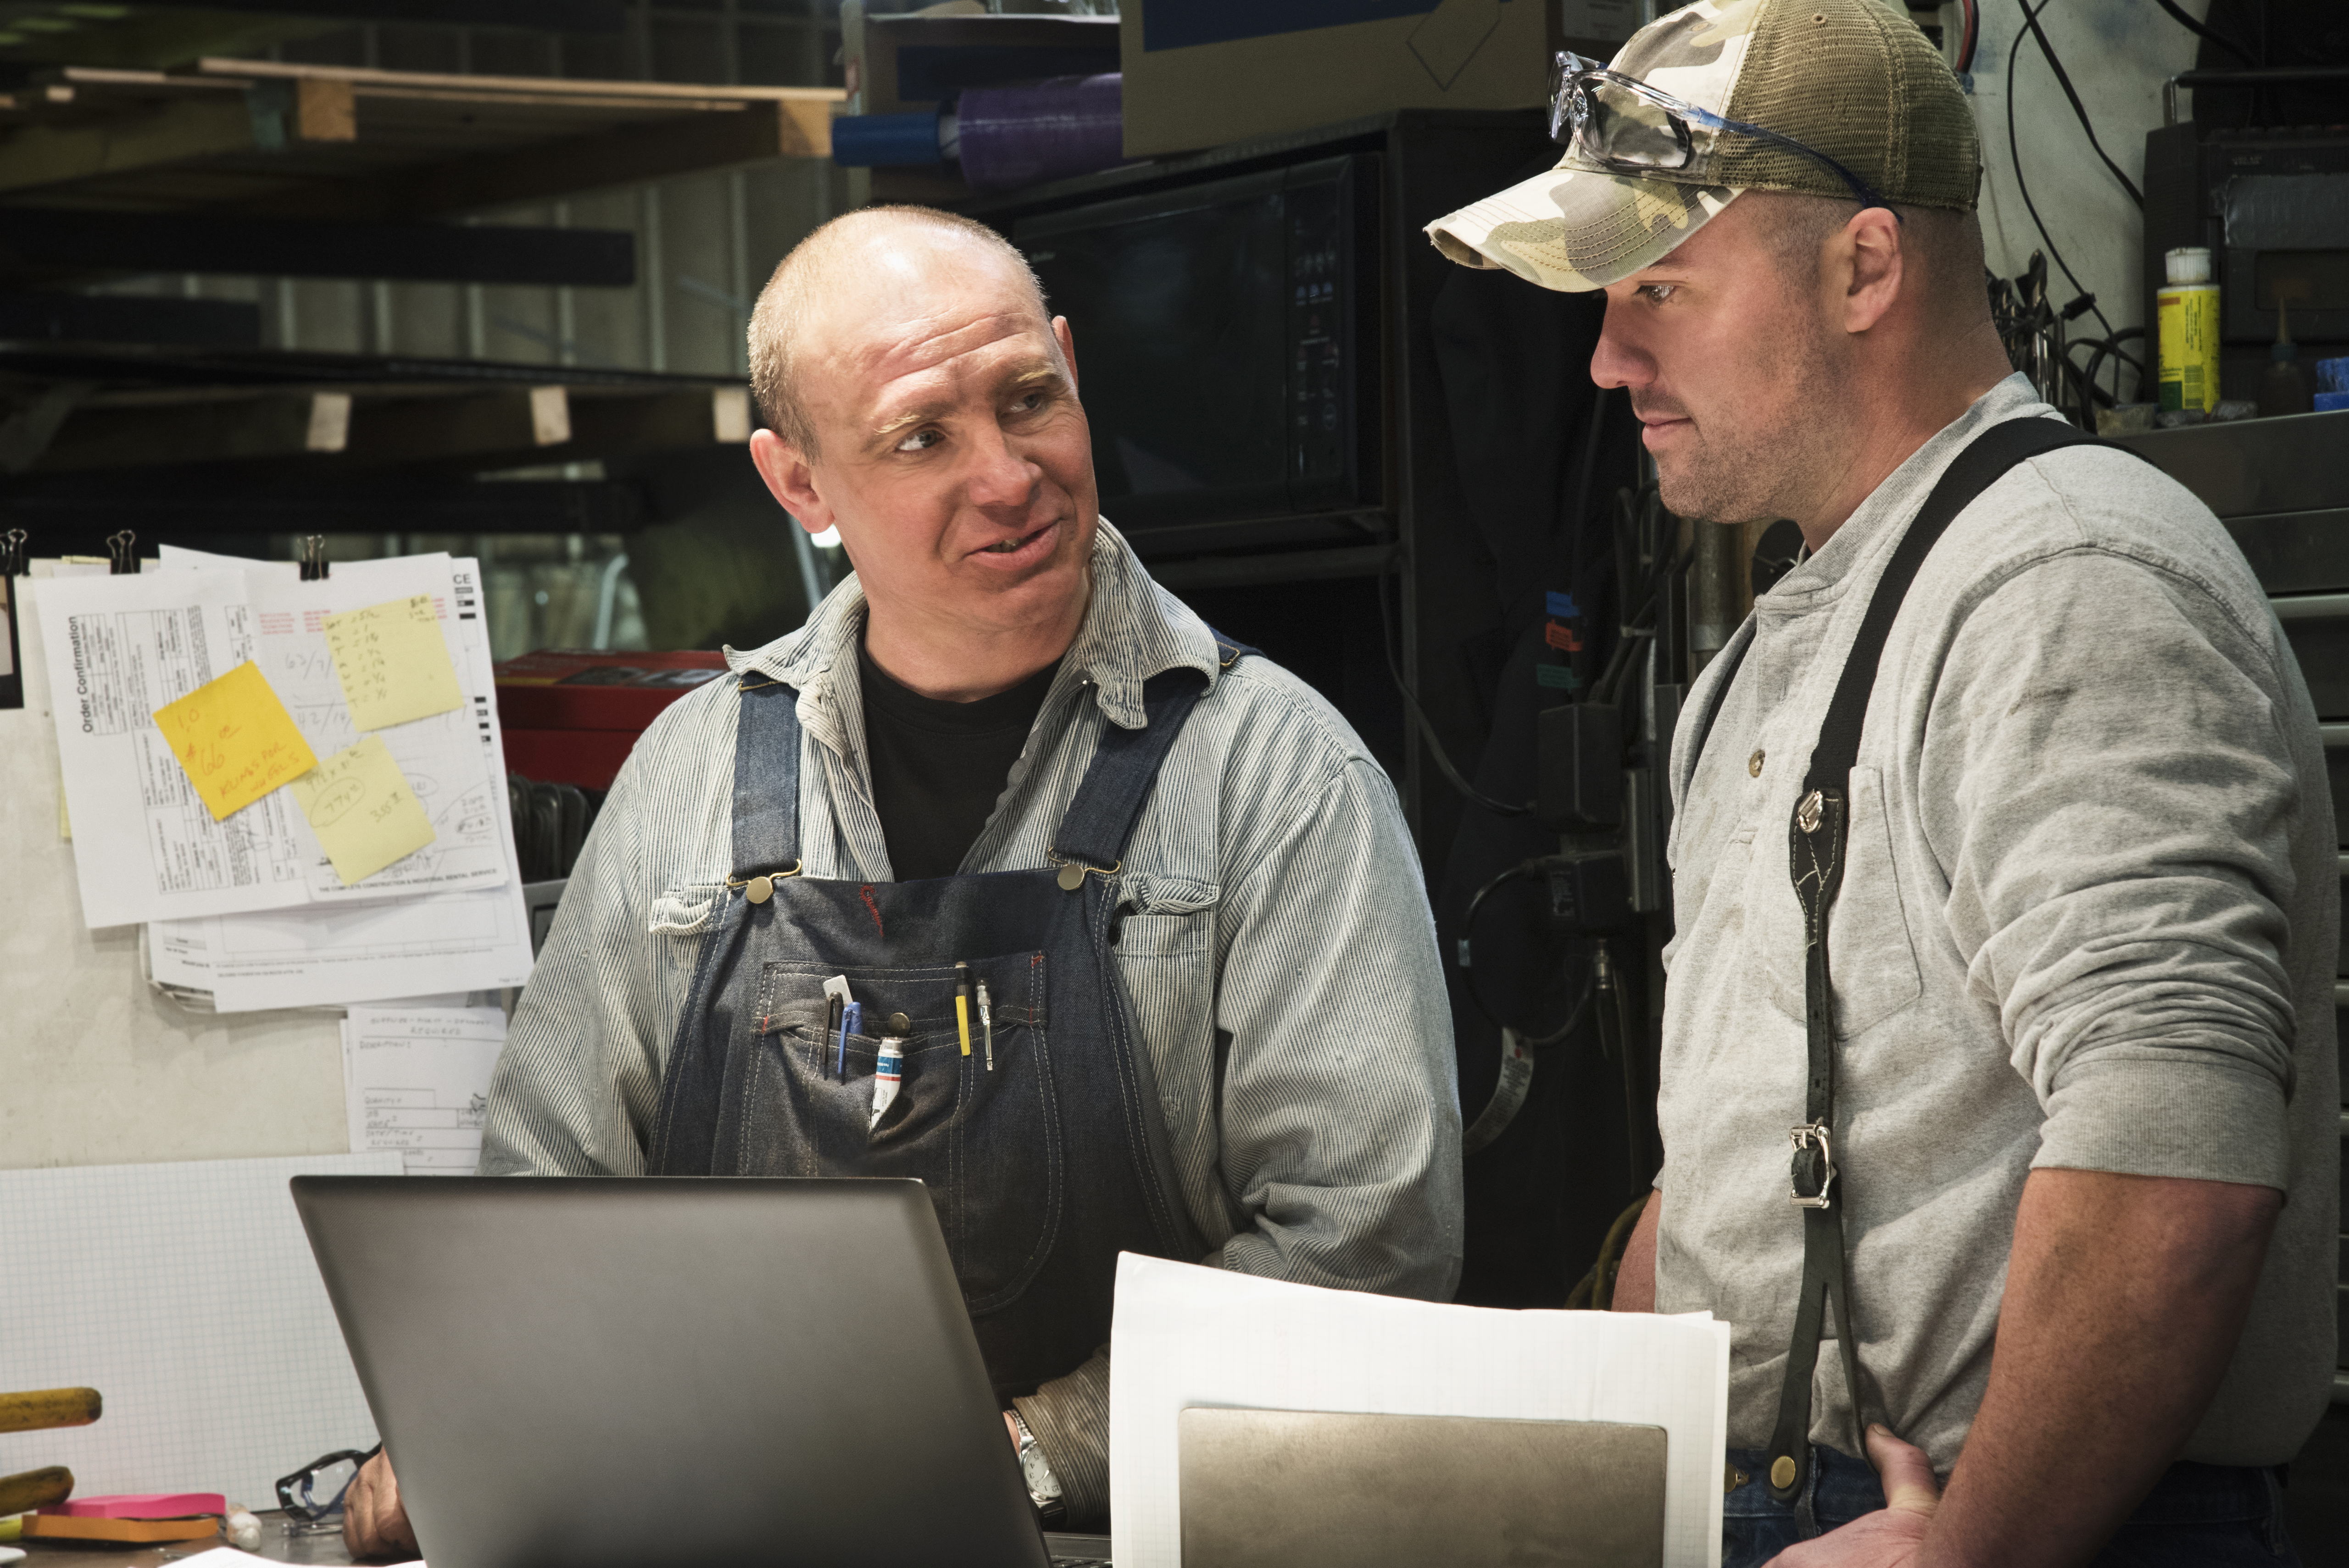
[624, 156]
[623, 423]
[421, 430]
[50, 244]
[228, 430]
[40, 154]
[547, 87]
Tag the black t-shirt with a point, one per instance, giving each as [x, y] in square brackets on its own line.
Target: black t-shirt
[940, 767]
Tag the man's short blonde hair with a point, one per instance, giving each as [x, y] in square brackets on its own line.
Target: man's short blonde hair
[780, 322]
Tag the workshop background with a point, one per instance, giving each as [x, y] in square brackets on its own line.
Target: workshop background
[526, 346]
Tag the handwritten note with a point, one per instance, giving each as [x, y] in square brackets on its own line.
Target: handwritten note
[393, 663]
[235, 739]
[360, 805]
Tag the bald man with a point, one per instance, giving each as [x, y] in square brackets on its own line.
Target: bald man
[998, 750]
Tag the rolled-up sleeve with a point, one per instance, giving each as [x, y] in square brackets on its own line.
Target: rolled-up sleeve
[2106, 776]
[1340, 1119]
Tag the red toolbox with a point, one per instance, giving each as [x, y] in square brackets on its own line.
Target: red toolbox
[571, 716]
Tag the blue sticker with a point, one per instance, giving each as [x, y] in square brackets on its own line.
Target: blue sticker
[1562, 605]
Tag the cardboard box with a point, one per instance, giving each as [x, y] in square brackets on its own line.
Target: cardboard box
[899, 62]
[1199, 73]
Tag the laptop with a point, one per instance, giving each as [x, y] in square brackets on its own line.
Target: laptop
[628, 1373]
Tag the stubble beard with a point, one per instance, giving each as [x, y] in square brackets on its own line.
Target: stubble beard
[1753, 470]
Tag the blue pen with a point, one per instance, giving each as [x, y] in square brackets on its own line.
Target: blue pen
[851, 1021]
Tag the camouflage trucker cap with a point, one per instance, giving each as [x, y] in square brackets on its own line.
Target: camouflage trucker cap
[1850, 79]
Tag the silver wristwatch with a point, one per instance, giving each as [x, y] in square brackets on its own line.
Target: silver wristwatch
[1043, 1486]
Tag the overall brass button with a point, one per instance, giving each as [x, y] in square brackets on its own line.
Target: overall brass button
[759, 890]
[1782, 1472]
[1754, 764]
[1073, 877]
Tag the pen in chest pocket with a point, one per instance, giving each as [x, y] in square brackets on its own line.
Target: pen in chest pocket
[962, 1004]
[987, 1024]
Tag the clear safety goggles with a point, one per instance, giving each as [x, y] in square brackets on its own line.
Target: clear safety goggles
[312, 1496]
[1622, 125]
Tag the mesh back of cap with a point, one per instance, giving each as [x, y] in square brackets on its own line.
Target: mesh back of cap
[1862, 84]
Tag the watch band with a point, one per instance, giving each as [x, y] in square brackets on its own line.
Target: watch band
[1035, 1470]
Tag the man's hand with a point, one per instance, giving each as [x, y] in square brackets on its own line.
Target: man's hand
[374, 1523]
[1890, 1537]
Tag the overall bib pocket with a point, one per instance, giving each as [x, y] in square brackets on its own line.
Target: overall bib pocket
[987, 1142]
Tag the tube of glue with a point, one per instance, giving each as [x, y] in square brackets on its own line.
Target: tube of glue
[888, 1068]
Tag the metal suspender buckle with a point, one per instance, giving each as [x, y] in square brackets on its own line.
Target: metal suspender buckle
[1807, 814]
[1814, 1167]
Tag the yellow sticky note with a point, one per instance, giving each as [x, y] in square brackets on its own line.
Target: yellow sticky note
[235, 739]
[360, 805]
[393, 663]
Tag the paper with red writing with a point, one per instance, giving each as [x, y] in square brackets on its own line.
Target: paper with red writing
[359, 804]
[234, 739]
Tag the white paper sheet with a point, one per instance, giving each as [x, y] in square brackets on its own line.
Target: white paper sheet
[1185, 1336]
[458, 778]
[476, 940]
[416, 1082]
[187, 1296]
[145, 847]
[409, 948]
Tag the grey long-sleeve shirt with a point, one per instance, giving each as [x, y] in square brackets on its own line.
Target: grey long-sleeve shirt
[1277, 899]
[2088, 920]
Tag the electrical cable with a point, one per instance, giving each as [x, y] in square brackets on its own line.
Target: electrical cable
[1970, 36]
[1539, 865]
[2079, 110]
[2205, 32]
[2015, 151]
[1452, 775]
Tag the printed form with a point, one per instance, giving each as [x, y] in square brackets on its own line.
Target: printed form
[476, 940]
[146, 846]
[416, 1082]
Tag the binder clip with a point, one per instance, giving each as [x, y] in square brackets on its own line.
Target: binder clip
[124, 548]
[313, 558]
[13, 560]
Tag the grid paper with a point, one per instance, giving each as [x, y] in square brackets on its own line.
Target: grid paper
[187, 1296]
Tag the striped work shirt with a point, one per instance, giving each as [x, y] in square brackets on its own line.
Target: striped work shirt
[1277, 902]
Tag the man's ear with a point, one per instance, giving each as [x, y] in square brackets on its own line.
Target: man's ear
[1869, 259]
[791, 479]
[1068, 342]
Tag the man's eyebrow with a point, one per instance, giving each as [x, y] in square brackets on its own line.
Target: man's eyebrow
[1026, 375]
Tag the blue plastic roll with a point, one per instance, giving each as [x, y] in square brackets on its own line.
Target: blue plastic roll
[885, 141]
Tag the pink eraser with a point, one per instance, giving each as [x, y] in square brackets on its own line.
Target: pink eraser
[143, 1505]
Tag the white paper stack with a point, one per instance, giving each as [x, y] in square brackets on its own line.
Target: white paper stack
[1185, 1336]
[248, 910]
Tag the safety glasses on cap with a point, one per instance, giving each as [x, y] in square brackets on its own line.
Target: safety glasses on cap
[1620, 124]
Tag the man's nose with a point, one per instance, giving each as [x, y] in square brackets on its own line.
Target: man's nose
[1617, 361]
[999, 474]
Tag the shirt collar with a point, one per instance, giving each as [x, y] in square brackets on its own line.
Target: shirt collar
[1133, 630]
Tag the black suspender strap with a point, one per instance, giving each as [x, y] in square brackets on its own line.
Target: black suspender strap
[1816, 842]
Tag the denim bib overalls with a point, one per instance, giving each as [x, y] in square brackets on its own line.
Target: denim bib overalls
[1043, 1167]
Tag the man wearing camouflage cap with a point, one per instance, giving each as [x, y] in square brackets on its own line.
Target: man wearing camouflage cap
[2003, 858]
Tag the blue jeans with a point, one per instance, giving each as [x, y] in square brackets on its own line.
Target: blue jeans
[2212, 1516]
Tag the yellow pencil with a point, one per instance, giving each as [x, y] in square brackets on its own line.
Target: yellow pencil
[962, 1004]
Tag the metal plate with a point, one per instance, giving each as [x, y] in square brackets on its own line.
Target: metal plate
[1302, 1489]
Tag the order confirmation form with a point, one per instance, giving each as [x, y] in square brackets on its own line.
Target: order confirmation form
[146, 849]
